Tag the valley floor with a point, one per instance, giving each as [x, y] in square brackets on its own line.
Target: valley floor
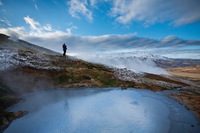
[189, 98]
[191, 73]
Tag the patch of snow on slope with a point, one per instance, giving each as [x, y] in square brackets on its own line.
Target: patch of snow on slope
[13, 58]
[127, 75]
[6, 59]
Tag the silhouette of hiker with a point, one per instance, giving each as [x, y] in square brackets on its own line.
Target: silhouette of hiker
[64, 49]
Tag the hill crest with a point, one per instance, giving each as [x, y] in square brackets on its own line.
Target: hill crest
[6, 42]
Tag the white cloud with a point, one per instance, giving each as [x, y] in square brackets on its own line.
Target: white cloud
[33, 24]
[36, 29]
[48, 27]
[176, 12]
[8, 31]
[70, 29]
[6, 22]
[179, 12]
[69, 23]
[41, 30]
[36, 7]
[77, 7]
[93, 2]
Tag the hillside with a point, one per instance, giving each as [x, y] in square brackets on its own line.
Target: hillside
[9, 43]
[28, 68]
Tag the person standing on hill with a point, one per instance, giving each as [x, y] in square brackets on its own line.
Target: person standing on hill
[64, 49]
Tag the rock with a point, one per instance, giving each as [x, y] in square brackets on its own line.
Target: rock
[8, 117]
[20, 114]
[192, 125]
[123, 88]
[5, 122]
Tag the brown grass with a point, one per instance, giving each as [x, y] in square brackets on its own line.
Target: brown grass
[165, 79]
[191, 73]
[190, 100]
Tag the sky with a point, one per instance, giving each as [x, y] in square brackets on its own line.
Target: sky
[170, 28]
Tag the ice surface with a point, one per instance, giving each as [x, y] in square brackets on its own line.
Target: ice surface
[102, 110]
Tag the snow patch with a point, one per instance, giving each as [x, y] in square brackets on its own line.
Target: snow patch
[6, 59]
[127, 75]
[10, 59]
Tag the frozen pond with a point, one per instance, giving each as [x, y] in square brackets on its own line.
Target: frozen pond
[102, 110]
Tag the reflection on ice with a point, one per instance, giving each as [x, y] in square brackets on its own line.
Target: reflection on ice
[102, 110]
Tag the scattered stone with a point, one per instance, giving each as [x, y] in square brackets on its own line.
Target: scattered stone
[123, 88]
[192, 125]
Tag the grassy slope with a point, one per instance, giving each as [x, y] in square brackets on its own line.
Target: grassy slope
[76, 73]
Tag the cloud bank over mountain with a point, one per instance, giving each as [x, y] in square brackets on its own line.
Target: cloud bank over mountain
[170, 46]
[48, 37]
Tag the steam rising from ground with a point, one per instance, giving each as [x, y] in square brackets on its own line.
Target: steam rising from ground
[14, 36]
[107, 110]
[137, 62]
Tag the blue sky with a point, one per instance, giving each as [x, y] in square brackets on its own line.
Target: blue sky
[87, 21]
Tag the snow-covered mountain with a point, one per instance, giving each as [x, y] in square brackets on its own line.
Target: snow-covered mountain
[139, 55]
[135, 61]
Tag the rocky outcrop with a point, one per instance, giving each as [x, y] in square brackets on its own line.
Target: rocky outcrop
[7, 117]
